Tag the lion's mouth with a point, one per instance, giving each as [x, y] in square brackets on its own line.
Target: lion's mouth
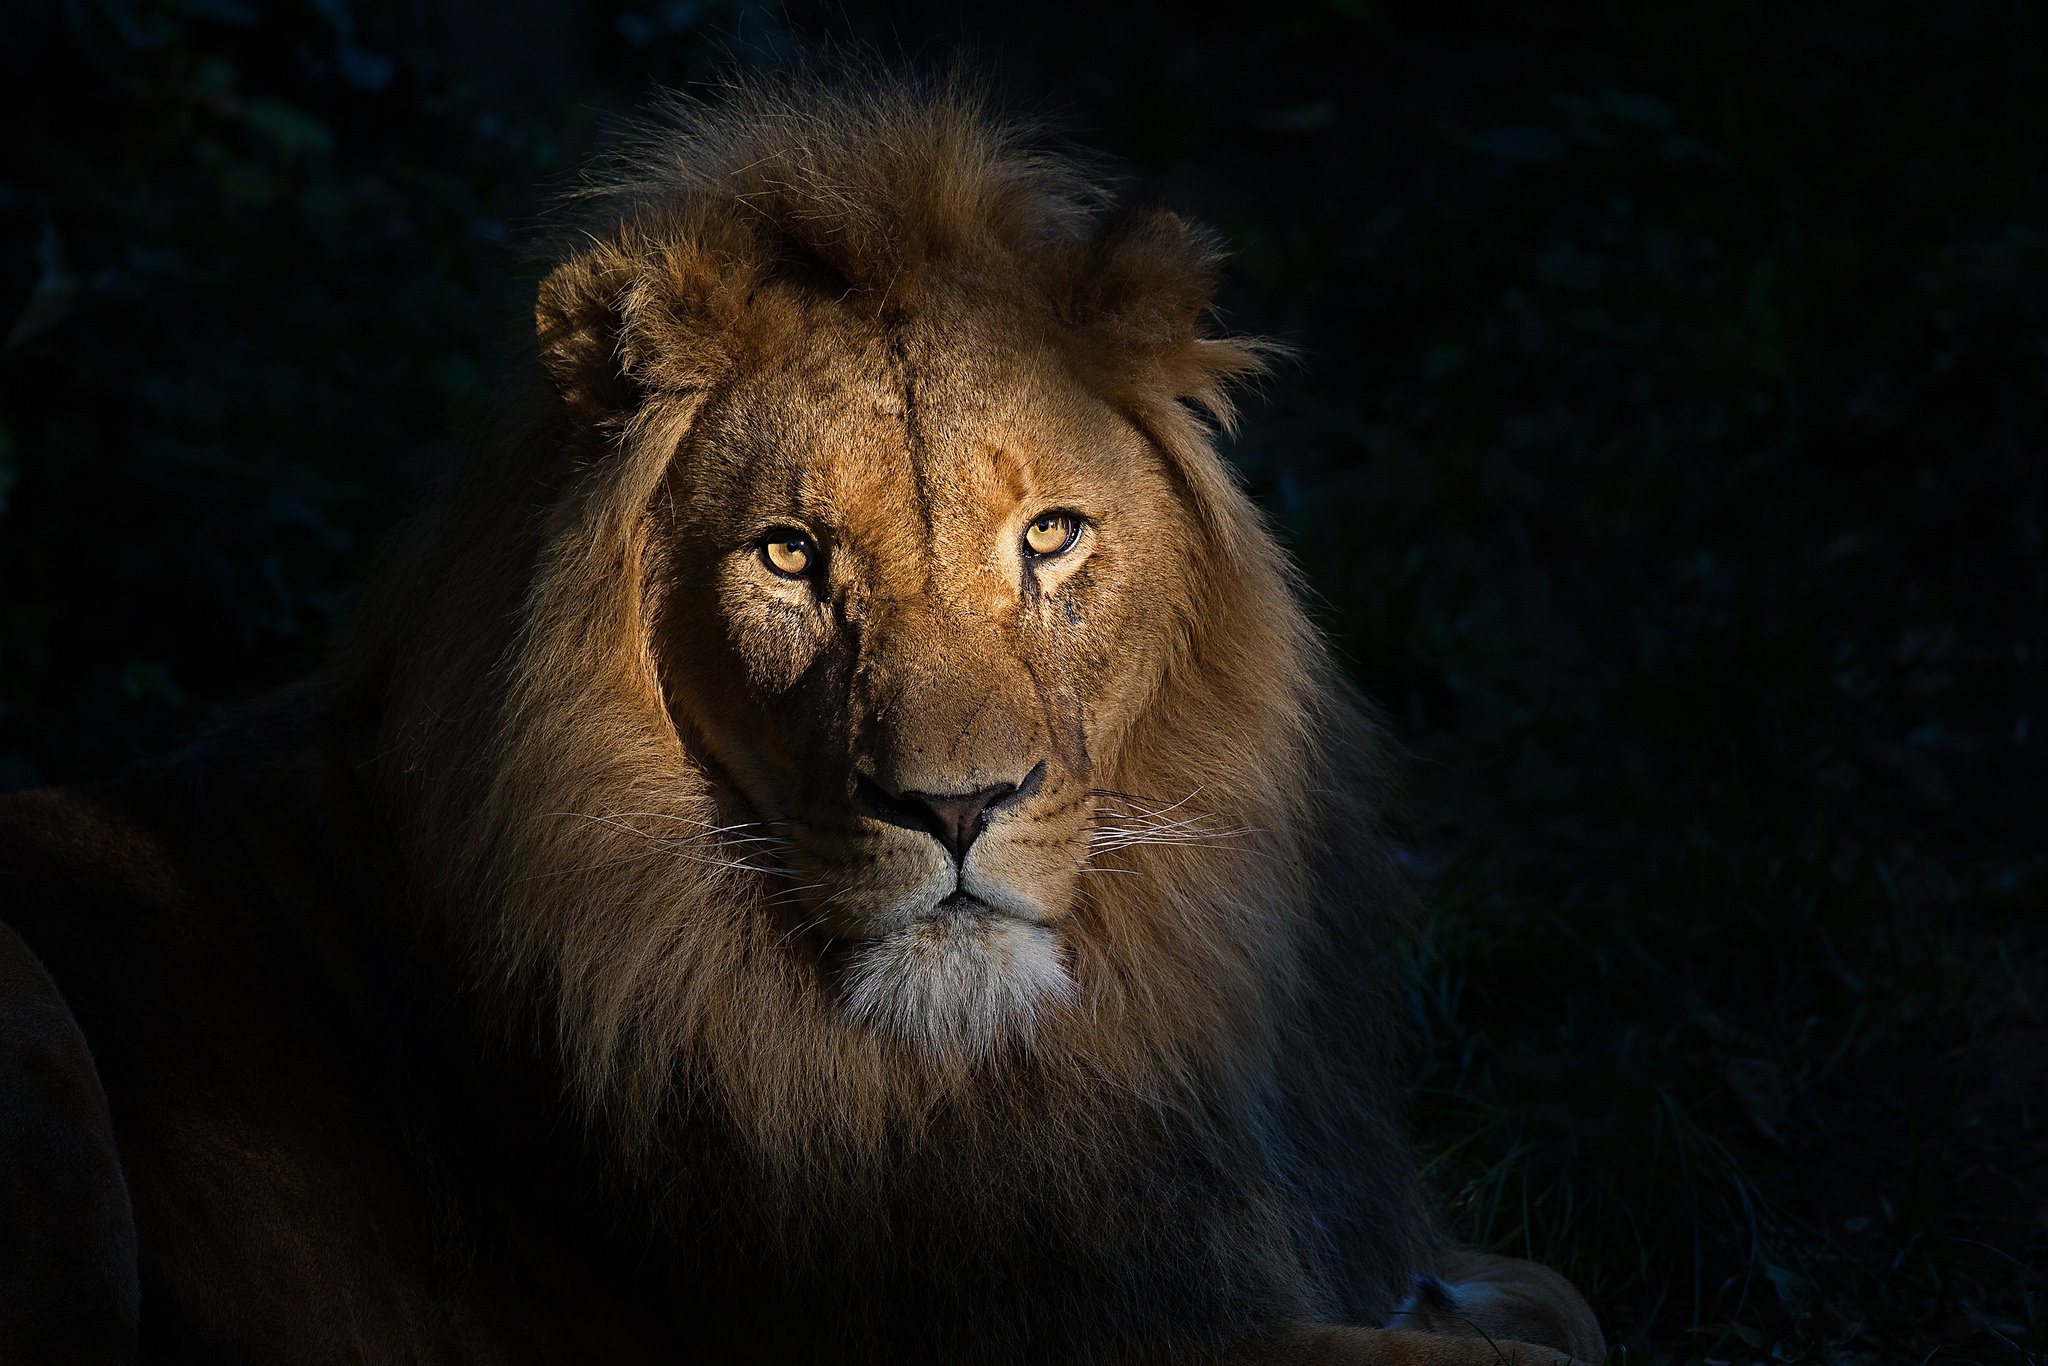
[962, 903]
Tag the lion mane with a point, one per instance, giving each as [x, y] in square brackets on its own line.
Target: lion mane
[1181, 1132]
[1231, 995]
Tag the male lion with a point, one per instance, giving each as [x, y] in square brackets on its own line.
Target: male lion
[830, 840]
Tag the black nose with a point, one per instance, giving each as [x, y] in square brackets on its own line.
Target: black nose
[957, 819]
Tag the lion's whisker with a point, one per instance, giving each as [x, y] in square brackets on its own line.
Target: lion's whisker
[1151, 823]
[727, 833]
[1187, 833]
[1133, 821]
[1149, 806]
[1168, 834]
[648, 854]
[801, 928]
[707, 826]
[690, 848]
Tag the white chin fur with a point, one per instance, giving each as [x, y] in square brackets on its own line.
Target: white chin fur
[957, 985]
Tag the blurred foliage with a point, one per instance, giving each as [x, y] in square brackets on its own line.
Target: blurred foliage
[1669, 455]
[257, 259]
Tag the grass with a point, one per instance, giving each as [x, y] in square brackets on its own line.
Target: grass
[1669, 455]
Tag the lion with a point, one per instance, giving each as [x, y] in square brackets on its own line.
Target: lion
[830, 838]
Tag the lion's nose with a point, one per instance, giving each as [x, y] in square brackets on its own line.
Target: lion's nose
[957, 818]
[954, 819]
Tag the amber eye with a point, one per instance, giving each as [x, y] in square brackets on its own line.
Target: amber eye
[1051, 533]
[789, 552]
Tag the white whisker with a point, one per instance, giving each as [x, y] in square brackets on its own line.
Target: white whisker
[1131, 822]
[691, 848]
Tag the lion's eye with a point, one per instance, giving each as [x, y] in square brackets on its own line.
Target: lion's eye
[789, 552]
[1051, 533]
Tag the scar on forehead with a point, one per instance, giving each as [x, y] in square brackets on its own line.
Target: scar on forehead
[976, 474]
[1012, 469]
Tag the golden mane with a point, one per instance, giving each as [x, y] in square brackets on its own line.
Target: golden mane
[566, 851]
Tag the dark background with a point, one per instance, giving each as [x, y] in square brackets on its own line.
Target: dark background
[1668, 453]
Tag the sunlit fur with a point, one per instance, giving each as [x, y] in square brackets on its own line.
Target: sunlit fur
[1181, 1080]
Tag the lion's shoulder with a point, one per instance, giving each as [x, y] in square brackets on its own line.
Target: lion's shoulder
[99, 882]
[251, 1097]
[65, 852]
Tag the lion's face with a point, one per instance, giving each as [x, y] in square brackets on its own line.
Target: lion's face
[917, 589]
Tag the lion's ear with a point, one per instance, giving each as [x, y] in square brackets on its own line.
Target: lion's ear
[628, 319]
[1138, 301]
[579, 322]
[1140, 289]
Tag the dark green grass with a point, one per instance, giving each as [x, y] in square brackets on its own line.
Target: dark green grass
[1668, 453]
